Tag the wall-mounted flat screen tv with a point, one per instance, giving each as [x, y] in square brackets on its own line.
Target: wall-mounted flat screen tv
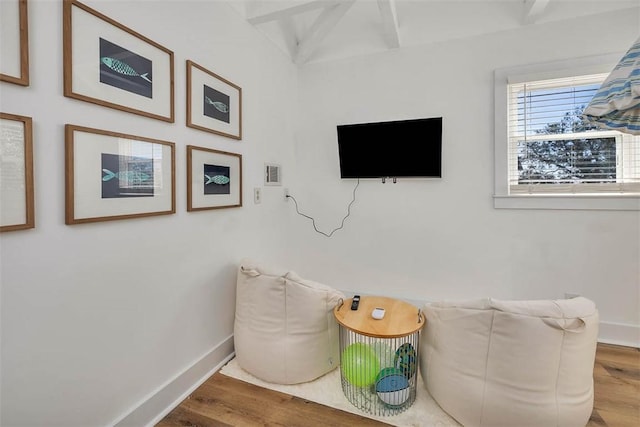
[404, 148]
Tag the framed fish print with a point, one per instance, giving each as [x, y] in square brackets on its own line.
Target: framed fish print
[14, 43]
[111, 65]
[214, 104]
[214, 179]
[16, 173]
[110, 176]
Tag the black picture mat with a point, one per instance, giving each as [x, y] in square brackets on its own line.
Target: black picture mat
[217, 105]
[126, 176]
[125, 70]
[210, 174]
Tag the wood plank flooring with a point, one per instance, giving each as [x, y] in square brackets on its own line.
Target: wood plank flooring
[223, 401]
[616, 377]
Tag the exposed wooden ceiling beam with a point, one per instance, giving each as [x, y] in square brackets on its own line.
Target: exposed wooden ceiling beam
[287, 26]
[390, 22]
[261, 12]
[320, 28]
[533, 9]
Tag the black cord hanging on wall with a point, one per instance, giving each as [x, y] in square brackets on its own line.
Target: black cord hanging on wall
[313, 221]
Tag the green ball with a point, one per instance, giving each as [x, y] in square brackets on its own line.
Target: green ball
[360, 364]
[385, 354]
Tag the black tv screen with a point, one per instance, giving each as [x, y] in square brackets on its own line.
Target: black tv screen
[404, 148]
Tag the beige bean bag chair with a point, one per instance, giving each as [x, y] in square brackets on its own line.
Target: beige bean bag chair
[284, 331]
[511, 363]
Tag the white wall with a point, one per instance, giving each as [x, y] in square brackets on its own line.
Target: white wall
[97, 317]
[442, 238]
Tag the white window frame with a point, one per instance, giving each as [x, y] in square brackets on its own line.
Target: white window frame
[546, 71]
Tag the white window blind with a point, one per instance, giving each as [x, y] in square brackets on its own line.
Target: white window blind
[552, 150]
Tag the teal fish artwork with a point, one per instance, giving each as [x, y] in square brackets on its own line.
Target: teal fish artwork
[216, 179]
[123, 68]
[128, 176]
[216, 104]
[220, 106]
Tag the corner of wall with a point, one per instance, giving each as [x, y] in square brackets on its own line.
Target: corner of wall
[159, 403]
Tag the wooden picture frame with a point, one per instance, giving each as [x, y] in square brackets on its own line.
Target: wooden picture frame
[214, 104]
[14, 44]
[108, 64]
[16, 173]
[111, 176]
[214, 179]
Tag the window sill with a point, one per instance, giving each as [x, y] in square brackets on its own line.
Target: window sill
[563, 202]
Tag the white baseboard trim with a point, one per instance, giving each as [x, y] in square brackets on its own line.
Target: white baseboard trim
[159, 403]
[619, 334]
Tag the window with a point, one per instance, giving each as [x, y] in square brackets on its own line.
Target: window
[547, 153]
[553, 150]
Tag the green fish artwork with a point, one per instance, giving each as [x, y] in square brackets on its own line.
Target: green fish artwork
[220, 106]
[216, 104]
[123, 68]
[128, 176]
[216, 179]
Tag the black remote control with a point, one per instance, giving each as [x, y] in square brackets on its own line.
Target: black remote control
[355, 302]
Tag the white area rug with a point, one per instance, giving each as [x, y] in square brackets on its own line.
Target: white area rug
[327, 390]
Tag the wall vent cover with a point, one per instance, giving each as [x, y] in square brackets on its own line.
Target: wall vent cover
[272, 174]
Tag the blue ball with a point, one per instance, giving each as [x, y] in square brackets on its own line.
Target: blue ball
[392, 386]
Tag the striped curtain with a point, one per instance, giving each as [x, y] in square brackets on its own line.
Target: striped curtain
[616, 105]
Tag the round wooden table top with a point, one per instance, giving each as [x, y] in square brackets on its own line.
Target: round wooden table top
[400, 318]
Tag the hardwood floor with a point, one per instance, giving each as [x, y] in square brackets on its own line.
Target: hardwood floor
[616, 377]
[224, 401]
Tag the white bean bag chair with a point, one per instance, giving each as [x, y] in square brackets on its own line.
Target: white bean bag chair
[511, 363]
[285, 331]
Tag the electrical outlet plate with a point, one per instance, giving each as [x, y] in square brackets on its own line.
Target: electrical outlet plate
[286, 194]
[257, 195]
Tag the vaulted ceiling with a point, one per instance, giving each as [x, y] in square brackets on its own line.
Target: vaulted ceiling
[319, 30]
